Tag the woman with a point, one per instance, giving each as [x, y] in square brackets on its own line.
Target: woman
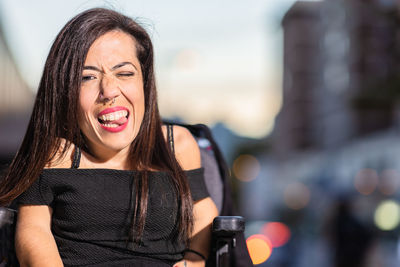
[98, 179]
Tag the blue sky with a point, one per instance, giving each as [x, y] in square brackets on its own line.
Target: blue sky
[216, 61]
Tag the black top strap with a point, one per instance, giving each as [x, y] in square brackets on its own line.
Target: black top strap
[77, 158]
[170, 134]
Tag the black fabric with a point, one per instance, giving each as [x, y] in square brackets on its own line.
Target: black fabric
[77, 158]
[91, 215]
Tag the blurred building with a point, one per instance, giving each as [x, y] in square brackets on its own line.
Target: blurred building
[337, 133]
[338, 56]
[15, 104]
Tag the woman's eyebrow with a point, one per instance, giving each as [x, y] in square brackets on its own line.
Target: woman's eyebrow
[91, 68]
[119, 65]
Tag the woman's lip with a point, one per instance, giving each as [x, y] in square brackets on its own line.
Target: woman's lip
[114, 109]
[114, 129]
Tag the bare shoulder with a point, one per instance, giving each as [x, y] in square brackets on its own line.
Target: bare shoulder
[32, 214]
[62, 159]
[187, 151]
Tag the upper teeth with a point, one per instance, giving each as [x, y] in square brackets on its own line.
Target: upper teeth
[114, 115]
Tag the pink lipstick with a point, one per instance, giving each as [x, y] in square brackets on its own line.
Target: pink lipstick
[114, 119]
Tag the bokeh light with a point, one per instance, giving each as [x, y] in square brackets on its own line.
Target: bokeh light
[254, 227]
[296, 196]
[387, 215]
[259, 247]
[246, 167]
[389, 182]
[366, 181]
[278, 233]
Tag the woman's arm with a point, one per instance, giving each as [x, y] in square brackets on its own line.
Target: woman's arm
[34, 242]
[204, 210]
[204, 213]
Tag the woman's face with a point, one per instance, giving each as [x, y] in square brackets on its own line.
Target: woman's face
[111, 98]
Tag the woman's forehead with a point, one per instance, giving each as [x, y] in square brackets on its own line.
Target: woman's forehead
[111, 47]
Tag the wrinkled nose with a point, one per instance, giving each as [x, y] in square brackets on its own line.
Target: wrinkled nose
[109, 89]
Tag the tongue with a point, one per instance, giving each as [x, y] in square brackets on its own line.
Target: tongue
[120, 121]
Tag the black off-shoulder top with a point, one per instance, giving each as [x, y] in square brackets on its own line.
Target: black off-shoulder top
[92, 215]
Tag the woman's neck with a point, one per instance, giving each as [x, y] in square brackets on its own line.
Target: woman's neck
[106, 159]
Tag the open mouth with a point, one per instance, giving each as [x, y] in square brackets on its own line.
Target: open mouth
[113, 120]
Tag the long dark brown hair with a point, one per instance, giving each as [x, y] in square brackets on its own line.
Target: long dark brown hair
[54, 117]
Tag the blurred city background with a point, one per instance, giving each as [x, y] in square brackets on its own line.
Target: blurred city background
[302, 96]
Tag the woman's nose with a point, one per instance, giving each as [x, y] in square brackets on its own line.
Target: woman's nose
[110, 88]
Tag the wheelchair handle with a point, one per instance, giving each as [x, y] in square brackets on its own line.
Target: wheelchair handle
[228, 225]
[224, 230]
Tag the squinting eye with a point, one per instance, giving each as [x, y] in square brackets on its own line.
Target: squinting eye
[88, 77]
[125, 74]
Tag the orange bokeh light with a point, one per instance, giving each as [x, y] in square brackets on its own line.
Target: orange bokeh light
[278, 233]
[259, 247]
[246, 167]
